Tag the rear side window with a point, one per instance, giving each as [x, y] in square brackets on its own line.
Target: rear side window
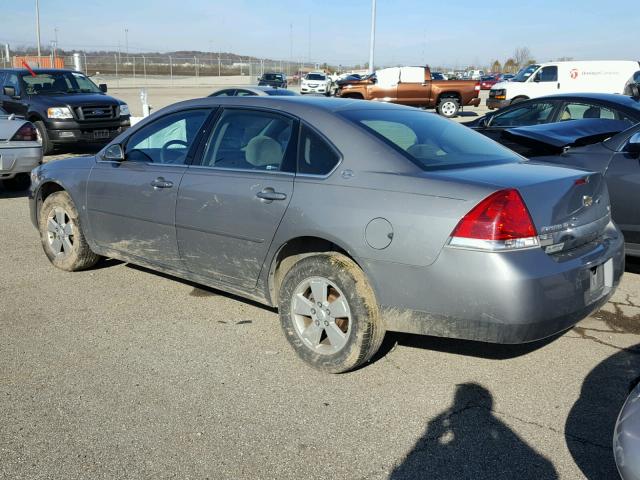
[548, 74]
[579, 111]
[429, 141]
[315, 157]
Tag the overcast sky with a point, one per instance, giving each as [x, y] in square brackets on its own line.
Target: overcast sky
[437, 32]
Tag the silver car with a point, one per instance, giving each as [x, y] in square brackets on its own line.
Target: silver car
[353, 218]
[20, 152]
[626, 440]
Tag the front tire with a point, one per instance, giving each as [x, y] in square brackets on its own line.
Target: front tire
[61, 234]
[329, 313]
[448, 107]
[43, 138]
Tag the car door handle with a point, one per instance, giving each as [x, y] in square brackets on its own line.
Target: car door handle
[268, 195]
[160, 182]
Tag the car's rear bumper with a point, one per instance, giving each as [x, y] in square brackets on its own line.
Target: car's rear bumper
[72, 131]
[15, 159]
[508, 297]
[493, 103]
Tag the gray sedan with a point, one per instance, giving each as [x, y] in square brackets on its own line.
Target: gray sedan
[20, 152]
[352, 218]
[260, 91]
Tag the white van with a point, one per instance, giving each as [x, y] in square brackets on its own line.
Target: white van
[563, 77]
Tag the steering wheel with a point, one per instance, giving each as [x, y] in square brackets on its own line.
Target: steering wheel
[165, 148]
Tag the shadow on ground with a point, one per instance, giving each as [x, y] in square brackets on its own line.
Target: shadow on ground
[467, 441]
[591, 421]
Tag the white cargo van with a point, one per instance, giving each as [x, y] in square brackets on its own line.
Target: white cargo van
[563, 77]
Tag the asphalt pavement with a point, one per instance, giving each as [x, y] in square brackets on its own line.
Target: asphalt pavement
[119, 372]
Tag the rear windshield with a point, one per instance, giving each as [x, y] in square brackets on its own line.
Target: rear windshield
[430, 141]
[272, 76]
[280, 92]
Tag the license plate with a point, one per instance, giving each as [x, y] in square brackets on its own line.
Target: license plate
[596, 278]
[600, 281]
[98, 134]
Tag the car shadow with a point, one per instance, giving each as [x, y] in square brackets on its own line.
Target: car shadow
[468, 114]
[80, 149]
[590, 425]
[632, 264]
[200, 290]
[491, 351]
[4, 193]
[467, 441]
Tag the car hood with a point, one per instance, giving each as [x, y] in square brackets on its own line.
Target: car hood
[566, 134]
[499, 85]
[74, 99]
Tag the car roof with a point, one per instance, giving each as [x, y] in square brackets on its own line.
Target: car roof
[38, 70]
[622, 100]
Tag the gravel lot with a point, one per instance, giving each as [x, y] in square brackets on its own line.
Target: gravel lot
[119, 372]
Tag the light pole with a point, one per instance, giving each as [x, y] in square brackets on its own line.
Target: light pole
[38, 25]
[373, 35]
[126, 43]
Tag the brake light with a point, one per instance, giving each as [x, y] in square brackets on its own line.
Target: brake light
[26, 133]
[499, 222]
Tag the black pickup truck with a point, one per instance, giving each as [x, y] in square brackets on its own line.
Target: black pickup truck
[65, 106]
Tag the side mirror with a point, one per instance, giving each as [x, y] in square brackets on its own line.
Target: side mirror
[9, 91]
[103, 87]
[634, 143]
[114, 153]
[536, 78]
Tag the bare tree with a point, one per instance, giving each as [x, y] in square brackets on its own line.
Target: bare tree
[522, 56]
[496, 66]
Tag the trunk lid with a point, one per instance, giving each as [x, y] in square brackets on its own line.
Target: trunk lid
[569, 207]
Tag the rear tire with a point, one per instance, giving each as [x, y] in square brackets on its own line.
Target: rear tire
[330, 344]
[448, 107]
[20, 182]
[43, 137]
[61, 234]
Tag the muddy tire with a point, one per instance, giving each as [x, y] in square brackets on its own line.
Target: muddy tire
[61, 234]
[338, 341]
[43, 137]
[448, 107]
[20, 182]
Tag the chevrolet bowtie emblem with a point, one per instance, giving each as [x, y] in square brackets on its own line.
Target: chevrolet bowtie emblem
[587, 200]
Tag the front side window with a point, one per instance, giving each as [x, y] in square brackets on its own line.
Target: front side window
[250, 140]
[548, 74]
[167, 140]
[12, 81]
[524, 73]
[245, 93]
[315, 157]
[223, 93]
[531, 114]
[429, 141]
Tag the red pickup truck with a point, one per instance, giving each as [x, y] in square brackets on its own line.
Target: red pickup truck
[413, 86]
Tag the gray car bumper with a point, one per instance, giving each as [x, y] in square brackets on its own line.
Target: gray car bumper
[509, 297]
[16, 159]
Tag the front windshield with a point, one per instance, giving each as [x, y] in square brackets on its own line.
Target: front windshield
[315, 76]
[58, 82]
[524, 73]
[430, 141]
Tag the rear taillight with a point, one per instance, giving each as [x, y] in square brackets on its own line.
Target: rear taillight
[499, 222]
[26, 133]
[477, 87]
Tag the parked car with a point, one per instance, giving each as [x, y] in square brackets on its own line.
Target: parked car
[505, 77]
[351, 217]
[474, 74]
[487, 82]
[439, 76]
[558, 108]
[618, 160]
[626, 439]
[415, 87]
[550, 78]
[65, 106]
[278, 80]
[252, 91]
[316, 82]
[20, 151]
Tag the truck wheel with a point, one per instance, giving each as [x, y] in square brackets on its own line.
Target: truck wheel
[329, 313]
[61, 234]
[43, 138]
[20, 182]
[448, 107]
